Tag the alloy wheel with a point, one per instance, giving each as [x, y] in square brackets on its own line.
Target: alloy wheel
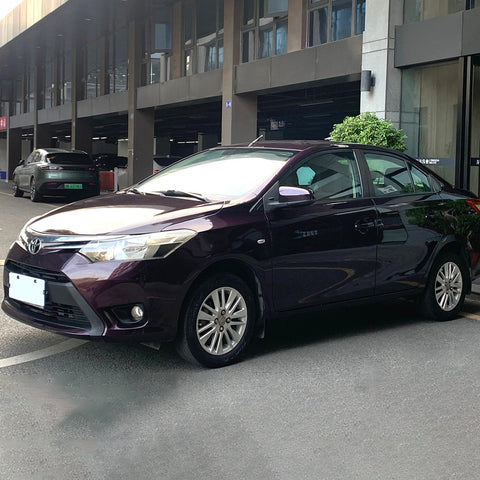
[222, 321]
[448, 286]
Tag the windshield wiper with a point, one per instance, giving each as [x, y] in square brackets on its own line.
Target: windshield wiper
[179, 193]
[134, 190]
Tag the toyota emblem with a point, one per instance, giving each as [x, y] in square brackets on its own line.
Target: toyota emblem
[34, 246]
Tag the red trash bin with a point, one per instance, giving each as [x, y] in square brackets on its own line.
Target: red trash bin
[107, 181]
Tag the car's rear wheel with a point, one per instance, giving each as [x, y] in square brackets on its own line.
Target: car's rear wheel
[446, 288]
[16, 189]
[218, 322]
[34, 194]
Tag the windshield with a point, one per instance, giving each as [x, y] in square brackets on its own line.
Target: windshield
[221, 174]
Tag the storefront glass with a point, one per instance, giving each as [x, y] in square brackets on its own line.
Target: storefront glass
[429, 115]
[475, 129]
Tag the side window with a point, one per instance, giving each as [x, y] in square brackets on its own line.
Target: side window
[390, 175]
[332, 175]
[420, 180]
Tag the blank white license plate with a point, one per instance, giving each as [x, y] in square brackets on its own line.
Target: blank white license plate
[27, 289]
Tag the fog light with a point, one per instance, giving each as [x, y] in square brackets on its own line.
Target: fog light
[137, 313]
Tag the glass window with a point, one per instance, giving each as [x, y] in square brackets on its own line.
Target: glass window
[360, 17]
[429, 115]
[421, 181]
[49, 83]
[263, 34]
[417, 10]
[318, 26]
[328, 175]
[341, 19]
[390, 175]
[92, 81]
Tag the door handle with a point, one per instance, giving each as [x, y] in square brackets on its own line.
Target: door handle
[363, 226]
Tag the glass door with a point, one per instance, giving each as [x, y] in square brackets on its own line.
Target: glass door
[475, 127]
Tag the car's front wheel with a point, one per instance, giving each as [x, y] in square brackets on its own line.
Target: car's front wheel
[218, 322]
[446, 288]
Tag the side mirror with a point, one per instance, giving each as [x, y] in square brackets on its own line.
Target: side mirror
[21, 162]
[292, 197]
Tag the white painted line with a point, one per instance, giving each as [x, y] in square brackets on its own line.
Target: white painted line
[2, 262]
[45, 352]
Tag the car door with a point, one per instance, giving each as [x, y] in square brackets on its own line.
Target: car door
[407, 205]
[324, 251]
[23, 172]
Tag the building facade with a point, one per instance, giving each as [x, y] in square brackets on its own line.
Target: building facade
[168, 77]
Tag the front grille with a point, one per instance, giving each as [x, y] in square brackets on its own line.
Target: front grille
[41, 273]
[55, 314]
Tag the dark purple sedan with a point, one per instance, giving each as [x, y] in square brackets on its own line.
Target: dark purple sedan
[206, 251]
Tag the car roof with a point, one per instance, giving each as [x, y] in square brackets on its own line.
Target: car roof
[301, 145]
[59, 150]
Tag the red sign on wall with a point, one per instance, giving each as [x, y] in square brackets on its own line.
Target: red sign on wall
[3, 123]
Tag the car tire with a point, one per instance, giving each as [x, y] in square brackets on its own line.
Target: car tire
[446, 288]
[34, 195]
[218, 322]
[16, 189]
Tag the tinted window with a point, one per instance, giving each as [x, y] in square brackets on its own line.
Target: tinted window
[69, 158]
[328, 175]
[390, 175]
[420, 180]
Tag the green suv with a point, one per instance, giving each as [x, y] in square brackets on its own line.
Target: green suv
[56, 172]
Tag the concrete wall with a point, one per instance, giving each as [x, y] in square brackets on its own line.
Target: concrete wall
[24, 16]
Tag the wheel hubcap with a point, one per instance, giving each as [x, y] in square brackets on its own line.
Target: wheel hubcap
[221, 321]
[448, 286]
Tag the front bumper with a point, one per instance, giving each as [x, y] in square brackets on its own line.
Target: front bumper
[80, 296]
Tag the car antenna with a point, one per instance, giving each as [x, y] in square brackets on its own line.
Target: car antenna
[251, 144]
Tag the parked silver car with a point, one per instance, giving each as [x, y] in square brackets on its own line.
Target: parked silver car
[56, 172]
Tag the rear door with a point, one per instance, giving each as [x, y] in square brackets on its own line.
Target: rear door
[407, 206]
[324, 252]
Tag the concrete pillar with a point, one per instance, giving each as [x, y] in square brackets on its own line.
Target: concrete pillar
[141, 123]
[177, 40]
[161, 146]
[14, 149]
[239, 112]
[82, 132]
[383, 99]
[42, 136]
[206, 140]
[297, 25]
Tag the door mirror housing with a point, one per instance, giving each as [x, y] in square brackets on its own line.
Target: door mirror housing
[291, 197]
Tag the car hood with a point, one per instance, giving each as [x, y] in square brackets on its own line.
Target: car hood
[122, 213]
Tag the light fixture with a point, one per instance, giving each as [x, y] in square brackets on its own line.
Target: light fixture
[367, 81]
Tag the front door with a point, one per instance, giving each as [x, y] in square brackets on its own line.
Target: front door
[324, 252]
[475, 128]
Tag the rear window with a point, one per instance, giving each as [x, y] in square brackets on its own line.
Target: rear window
[69, 159]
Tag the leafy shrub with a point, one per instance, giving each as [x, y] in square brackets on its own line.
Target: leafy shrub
[368, 129]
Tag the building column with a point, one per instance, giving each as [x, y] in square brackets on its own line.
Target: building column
[207, 140]
[177, 40]
[297, 25]
[82, 133]
[14, 150]
[383, 98]
[141, 123]
[239, 112]
[42, 136]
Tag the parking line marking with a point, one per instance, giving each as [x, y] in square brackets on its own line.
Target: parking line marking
[471, 316]
[44, 352]
[2, 263]
[7, 194]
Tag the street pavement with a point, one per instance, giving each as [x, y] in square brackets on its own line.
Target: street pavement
[367, 393]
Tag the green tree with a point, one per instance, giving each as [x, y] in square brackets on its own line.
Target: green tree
[368, 129]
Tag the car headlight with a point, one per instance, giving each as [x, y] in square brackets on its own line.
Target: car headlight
[136, 247]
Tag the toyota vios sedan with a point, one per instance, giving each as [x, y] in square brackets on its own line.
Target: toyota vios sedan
[206, 251]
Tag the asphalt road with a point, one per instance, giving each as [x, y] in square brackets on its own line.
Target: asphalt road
[367, 393]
